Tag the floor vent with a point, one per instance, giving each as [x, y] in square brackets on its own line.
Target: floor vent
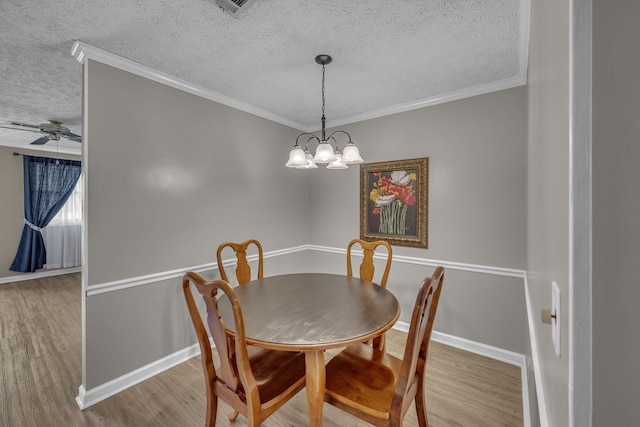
[233, 6]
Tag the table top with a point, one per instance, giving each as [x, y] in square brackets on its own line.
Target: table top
[311, 311]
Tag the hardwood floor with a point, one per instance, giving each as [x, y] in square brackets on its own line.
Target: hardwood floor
[40, 372]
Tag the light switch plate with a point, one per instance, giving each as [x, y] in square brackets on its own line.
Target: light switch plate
[545, 315]
[555, 324]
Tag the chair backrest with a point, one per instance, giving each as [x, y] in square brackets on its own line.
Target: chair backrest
[416, 349]
[235, 376]
[243, 270]
[367, 267]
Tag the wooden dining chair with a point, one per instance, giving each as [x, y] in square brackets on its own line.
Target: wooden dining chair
[243, 275]
[367, 270]
[378, 387]
[367, 267]
[243, 269]
[254, 381]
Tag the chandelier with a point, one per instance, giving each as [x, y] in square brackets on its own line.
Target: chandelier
[327, 151]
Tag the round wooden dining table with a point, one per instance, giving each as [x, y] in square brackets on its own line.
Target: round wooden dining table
[312, 312]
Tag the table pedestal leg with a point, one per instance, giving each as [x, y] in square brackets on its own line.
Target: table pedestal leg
[315, 382]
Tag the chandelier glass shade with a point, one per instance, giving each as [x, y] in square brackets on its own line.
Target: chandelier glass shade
[327, 152]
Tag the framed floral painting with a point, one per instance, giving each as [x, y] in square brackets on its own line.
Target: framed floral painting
[394, 202]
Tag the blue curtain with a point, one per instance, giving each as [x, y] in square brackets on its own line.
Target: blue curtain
[48, 183]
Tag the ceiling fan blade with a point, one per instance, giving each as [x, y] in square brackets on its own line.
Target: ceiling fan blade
[17, 128]
[72, 136]
[41, 141]
[25, 125]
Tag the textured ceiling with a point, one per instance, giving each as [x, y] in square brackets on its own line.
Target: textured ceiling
[387, 55]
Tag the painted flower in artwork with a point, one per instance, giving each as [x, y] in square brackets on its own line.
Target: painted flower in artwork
[392, 195]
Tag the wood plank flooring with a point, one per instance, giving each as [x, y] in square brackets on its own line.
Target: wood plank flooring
[40, 372]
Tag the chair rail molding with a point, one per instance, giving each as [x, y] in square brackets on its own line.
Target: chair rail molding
[173, 274]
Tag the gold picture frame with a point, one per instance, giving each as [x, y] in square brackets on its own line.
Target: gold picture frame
[394, 202]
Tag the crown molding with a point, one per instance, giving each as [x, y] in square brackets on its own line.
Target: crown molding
[82, 51]
[519, 80]
[525, 33]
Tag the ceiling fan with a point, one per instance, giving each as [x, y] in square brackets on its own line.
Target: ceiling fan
[53, 131]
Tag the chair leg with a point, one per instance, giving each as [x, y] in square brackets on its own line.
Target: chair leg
[253, 421]
[421, 407]
[212, 411]
[233, 416]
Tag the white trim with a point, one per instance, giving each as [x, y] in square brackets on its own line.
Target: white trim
[172, 274]
[492, 352]
[510, 357]
[39, 275]
[82, 50]
[537, 370]
[90, 397]
[85, 216]
[473, 268]
[132, 282]
[580, 334]
[275, 253]
[427, 102]
[525, 33]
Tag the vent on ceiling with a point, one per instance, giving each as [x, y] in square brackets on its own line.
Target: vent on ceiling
[233, 6]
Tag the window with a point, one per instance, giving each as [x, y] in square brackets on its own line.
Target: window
[63, 235]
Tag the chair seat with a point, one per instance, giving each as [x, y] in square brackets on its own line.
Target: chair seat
[363, 377]
[379, 388]
[255, 382]
[275, 371]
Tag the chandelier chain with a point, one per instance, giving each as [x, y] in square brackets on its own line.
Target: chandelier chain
[322, 90]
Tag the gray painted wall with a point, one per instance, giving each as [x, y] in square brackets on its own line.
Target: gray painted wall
[548, 190]
[477, 178]
[484, 308]
[170, 176]
[11, 208]
[171, 184]
[616, 212]
[477, 208]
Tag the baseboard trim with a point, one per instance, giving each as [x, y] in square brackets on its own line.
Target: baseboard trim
[492, 352]
[513, 358]
[39, 275]
[87, 398]
[510, 357]
[97, 394]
